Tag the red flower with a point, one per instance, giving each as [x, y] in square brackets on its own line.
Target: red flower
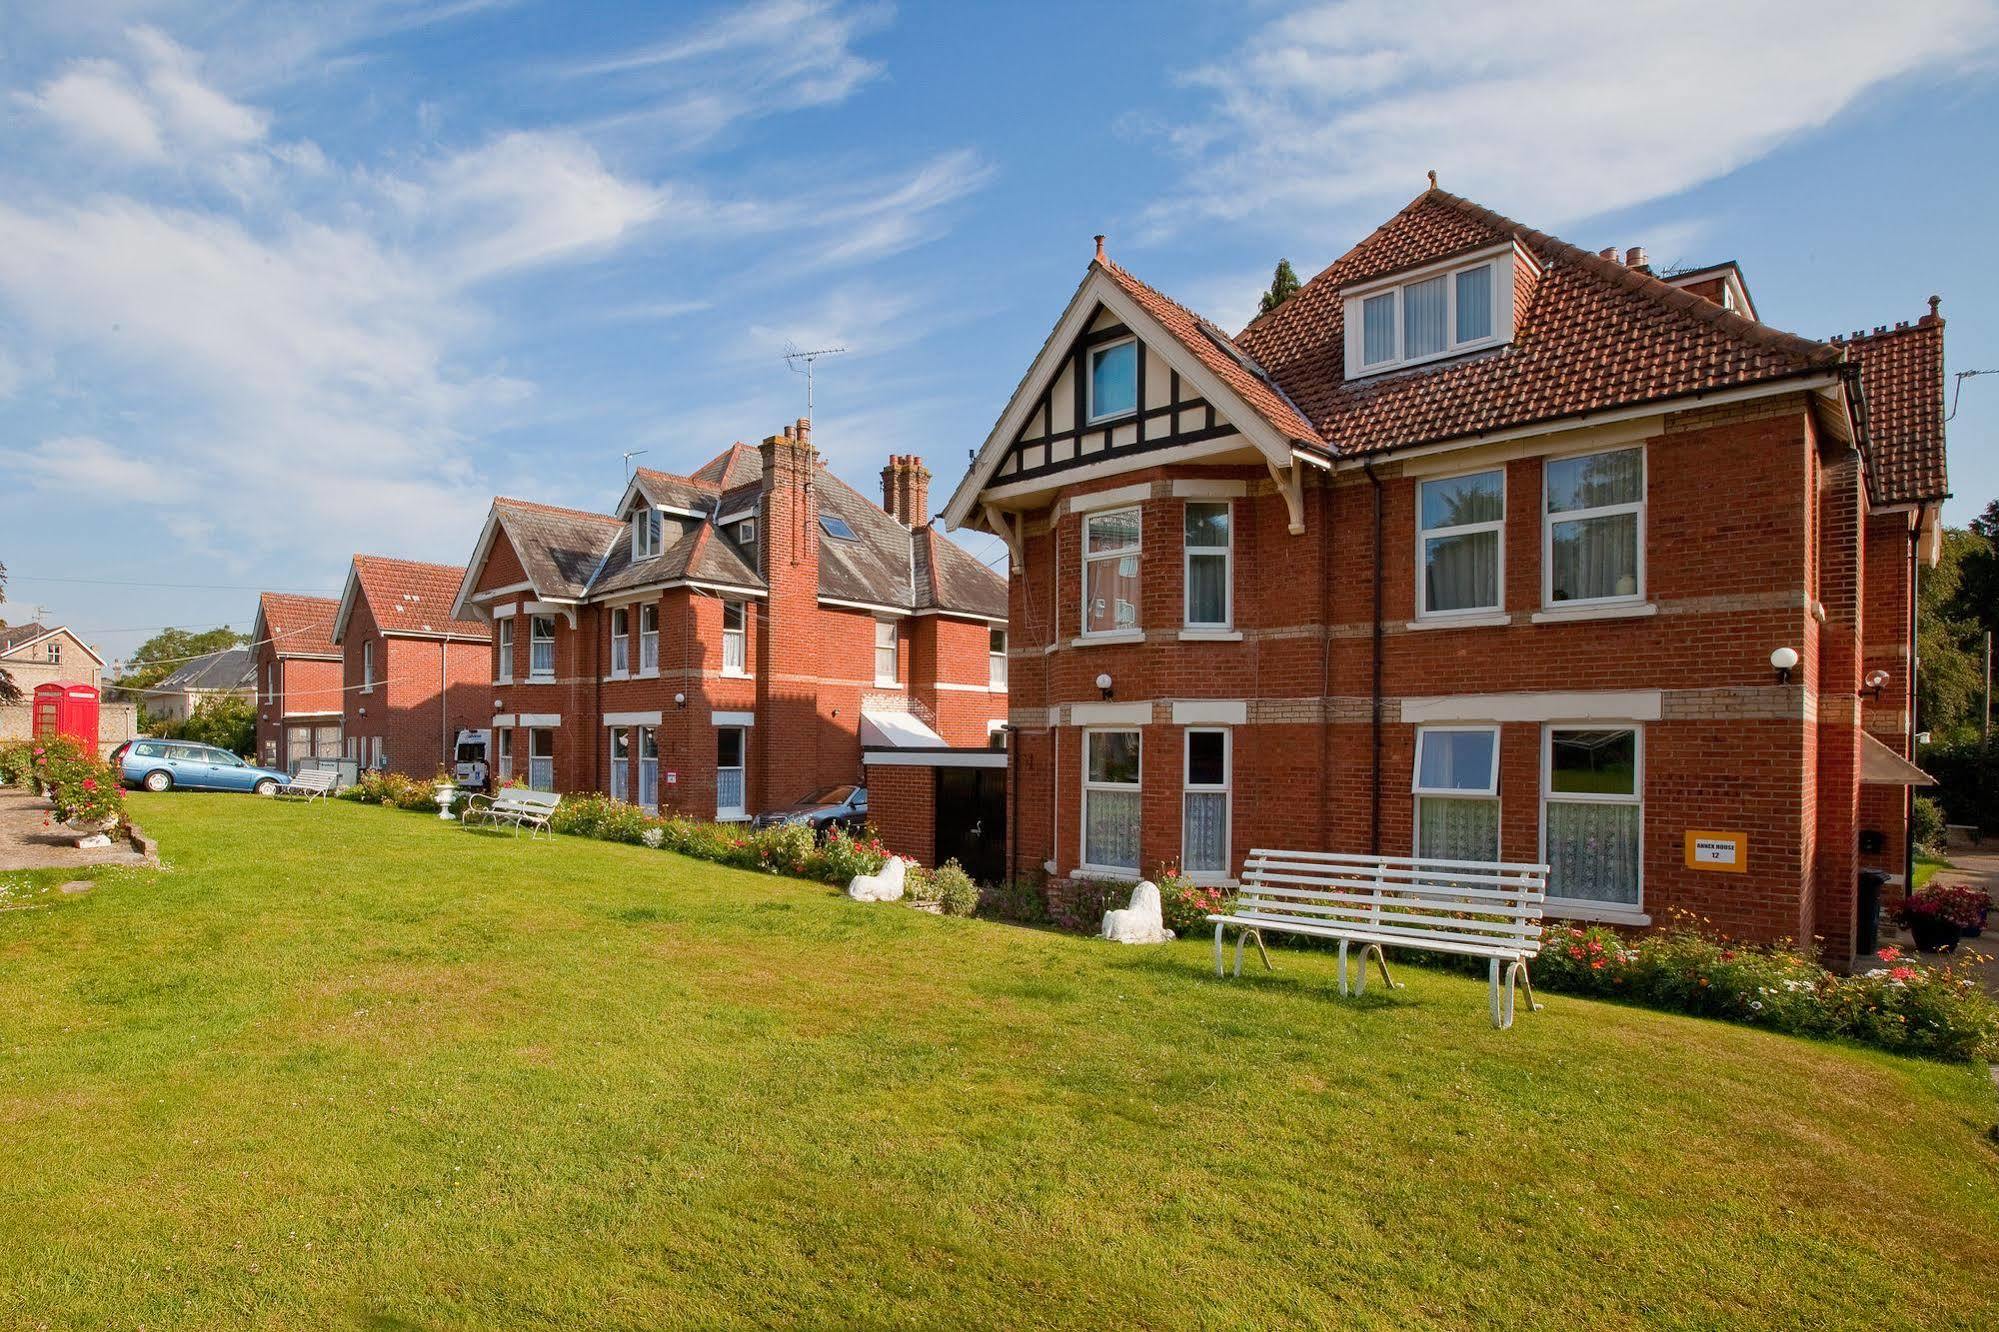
[90, 783]
[1596, 965]
[1903, 973]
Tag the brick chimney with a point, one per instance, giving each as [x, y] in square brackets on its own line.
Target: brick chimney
[906, 489]
[789, 548]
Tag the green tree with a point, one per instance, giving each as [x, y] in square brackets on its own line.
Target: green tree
[228, 723]
[9, 691]
[166, 652]
[1284, 284]
[1955, 610]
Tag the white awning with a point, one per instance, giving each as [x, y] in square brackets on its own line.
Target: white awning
[1882, 766]
[897, 730]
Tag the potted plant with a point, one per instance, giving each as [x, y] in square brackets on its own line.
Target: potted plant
[1938, 916]
[446, 791]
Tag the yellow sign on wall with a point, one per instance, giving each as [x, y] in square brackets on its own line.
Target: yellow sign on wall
[1723, 852]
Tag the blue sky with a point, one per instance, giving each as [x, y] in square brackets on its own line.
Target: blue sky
[280, 282]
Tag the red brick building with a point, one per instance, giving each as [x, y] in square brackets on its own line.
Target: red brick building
[725, 642]
[1480, 545]
[413, 676]
[298, 679]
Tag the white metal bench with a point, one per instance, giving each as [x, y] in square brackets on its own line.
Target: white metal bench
[310, 784]
[1476, 908]
[515, 806]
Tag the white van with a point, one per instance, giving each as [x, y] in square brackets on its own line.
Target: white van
[471, 751]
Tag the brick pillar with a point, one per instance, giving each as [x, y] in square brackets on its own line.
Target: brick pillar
[1841, 579]
[784, 743]
[906, 490]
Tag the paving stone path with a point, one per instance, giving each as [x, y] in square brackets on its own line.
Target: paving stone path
[27, 842]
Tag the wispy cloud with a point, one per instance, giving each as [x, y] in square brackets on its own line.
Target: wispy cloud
[145, 106]
[1583, 107]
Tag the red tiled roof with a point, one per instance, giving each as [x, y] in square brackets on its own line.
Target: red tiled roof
[1591, 334]
[299, 626]
[1213, 349]
[1901, 372]
[406, 596]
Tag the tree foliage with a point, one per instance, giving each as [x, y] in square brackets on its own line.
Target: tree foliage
[228, 722]
[1957, 605]
[9, 691]
[1284, 284]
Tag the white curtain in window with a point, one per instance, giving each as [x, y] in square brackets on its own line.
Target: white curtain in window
[648, 767]
[1424, 306]
[1205, 832]
[1594, 557]
[1451, 828]
[1475, 303]
[1378, 321]
[620, 766]
[648, 638]
[1110, 836]
[1461, 572]
[1593, 851]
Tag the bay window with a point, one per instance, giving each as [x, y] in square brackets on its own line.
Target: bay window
[1110, 571]
[621, 759]
[541, 647]
[1204, 804]
[621, 640]
[503, 649]
[735, 644]
[1111, 799]
[541, 759]
[1456, 783]
[885, 653]
[1594, 530]
[1113, 380]
[1592, 813]
[1461, 544]
[649, 639]
[1208, 558]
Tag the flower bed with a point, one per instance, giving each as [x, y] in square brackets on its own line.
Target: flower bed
[1939, 1012]
[85, 791]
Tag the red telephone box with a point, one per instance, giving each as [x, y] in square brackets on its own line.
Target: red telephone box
[62, 708]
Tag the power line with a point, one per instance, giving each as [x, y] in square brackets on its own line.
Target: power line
[190, 587]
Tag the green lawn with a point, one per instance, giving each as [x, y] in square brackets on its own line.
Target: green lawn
[345, 1066]
[1927, 867]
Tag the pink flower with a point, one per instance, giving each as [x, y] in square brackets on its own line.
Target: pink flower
[1904, 973]
[1889, 954]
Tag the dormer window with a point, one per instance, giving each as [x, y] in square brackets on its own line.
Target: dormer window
[1113, 380]
[1438, 312]
[645, 533]
[744, 534]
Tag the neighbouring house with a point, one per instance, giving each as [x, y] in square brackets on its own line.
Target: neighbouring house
[228, 673]
[38, 654]
[1481, 545]
[298, 680]
[413, 675]
[730, 640]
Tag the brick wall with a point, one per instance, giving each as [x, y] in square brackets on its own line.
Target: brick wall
[902, 805]
[425, 690]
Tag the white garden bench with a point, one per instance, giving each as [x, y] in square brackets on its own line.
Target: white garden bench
[310, 784]
[516, 806]
[1476, 908]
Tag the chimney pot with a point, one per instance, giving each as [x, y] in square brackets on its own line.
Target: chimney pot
[1635, 257]
[1100, 248]
[1608, 252]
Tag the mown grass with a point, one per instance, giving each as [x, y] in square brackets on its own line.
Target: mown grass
[344, 1066]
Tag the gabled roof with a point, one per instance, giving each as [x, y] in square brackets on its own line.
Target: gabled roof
[1901, 373]
[22, 636]
[949, 576]
[296, 626]
[406, 598]
[737, 465]
[1591, 334]
[227, 670]
[676, 492]
[689, 550]
[561, 549]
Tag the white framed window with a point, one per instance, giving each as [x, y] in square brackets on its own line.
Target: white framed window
[649, 767]
[1204, 803]
[1210, 594]
[645, 534]
[735, 638]
[833, 525]
[996, 660]
[1113, 380]
[368, 667]
[541, 647]
[621, 763]
[503, 755]
[621, 640]
[744, 534]
[1111, 799]
[270, 683]
[298, 743]
[1110, 571]
[886, 664]
[1592, 814]
[541, 758]
[1430, 315]
[326, 742]
[381, 759]
[1461, 544]
[55, 652]
[503, 650]
[1593, 528]
[1456, 782]
[649, 639]
[730, 771]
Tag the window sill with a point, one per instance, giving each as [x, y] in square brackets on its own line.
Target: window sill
[1099, 640]
[724, 816]
[1482, 620]
[996, 689]
[745, 675]
[540, 679]
[1117, 872]
[1211, 635]
[1623, 610]
[1607, 913]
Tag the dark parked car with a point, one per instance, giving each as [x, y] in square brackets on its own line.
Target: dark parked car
[828, 807]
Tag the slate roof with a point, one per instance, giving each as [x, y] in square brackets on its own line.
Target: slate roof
[299, 626]
[411, 597]
[15, 635]
[561, 549]
[1901, 373]
[1590, 334]
[227, 670]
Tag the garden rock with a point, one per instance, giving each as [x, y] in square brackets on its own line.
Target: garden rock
[883, 887]
[1142, 921]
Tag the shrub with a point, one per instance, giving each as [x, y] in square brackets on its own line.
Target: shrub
[1959, 904]
[1935, 1011]
[953, 890]
[1023, 900]
[1081, 909]
[393, 790]
[843, 855]
[1186, 905]
[1926, 824]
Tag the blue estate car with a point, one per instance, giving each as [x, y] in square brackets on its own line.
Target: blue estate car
[162, 765]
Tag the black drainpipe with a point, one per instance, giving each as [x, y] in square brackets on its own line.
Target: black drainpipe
[1374, 685]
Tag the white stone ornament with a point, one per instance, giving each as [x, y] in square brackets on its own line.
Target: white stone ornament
[1141, 922]
[883, 887]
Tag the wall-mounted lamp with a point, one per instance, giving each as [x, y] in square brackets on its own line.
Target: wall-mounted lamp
[1876, 682]
[1104, 684]
[680, 700]
[361, 711]
[1783, 659]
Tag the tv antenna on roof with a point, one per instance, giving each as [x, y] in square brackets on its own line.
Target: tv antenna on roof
[629, 455]
[792, 357]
